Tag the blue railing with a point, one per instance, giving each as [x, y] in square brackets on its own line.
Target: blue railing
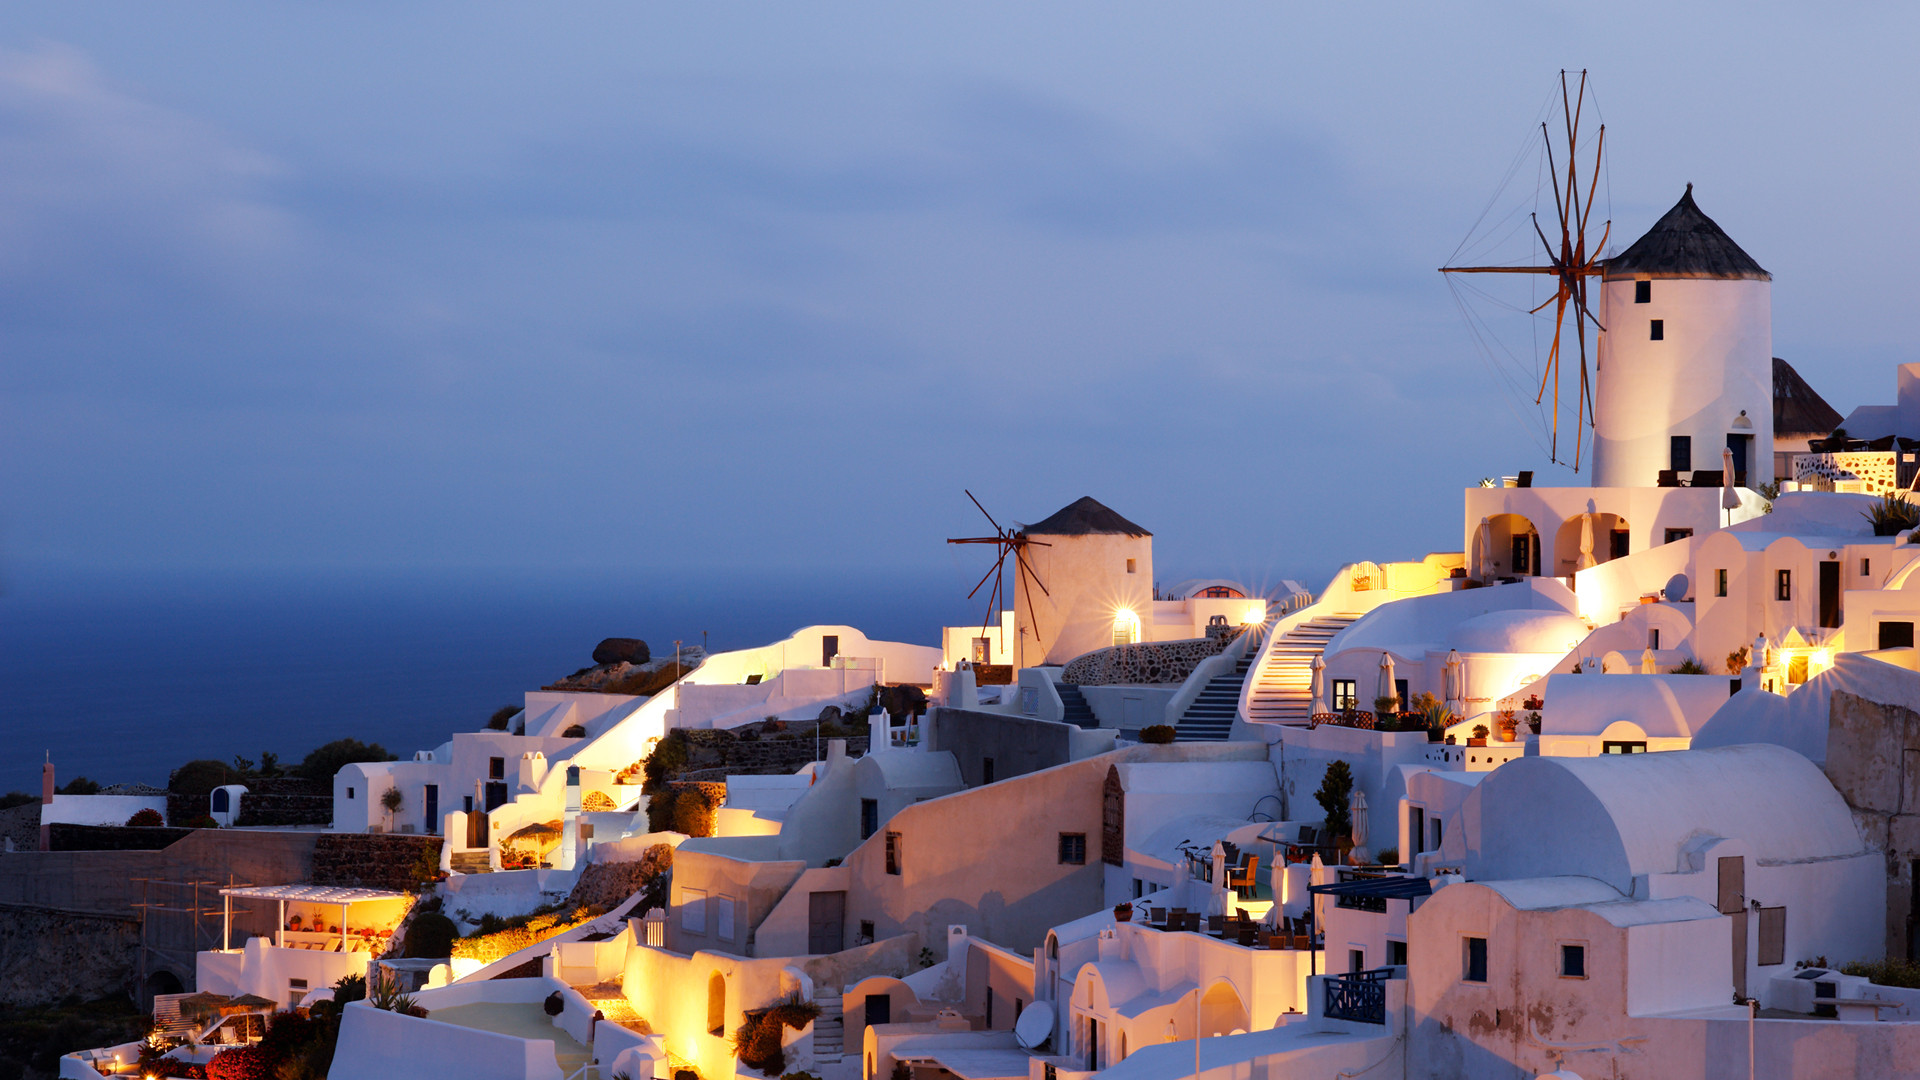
[1361, 996]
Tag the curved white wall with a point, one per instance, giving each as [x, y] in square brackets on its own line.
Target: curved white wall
[1716, 359]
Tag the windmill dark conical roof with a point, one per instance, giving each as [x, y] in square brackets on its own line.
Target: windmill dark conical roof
[1084, 516]
[1686, 243]
[1797, 408]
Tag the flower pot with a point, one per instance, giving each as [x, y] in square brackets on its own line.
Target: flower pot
[1122, 912]
[1435, 734]
[1476, 742]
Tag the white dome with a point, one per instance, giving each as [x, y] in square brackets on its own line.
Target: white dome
[1518, 630]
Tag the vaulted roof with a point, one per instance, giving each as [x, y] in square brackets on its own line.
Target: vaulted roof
[1084, 516]
[1685, 243]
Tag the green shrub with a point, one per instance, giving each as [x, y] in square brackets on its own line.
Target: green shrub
[16, 798]
[499, 938]
[502, 716]
[1892, 515]
[79, 785]
[1388, 857]
[146, 818]
[1336, 787]
[198, 778]
[1690, 666]
[1158, 733]
[324, 761]
[693, 813]
[1893, 971]
[430, 936]
[668, 758]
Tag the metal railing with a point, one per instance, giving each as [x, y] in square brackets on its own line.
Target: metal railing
[1360, 997]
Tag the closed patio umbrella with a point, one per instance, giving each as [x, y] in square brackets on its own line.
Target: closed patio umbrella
[1586, 542]
[1729, 497]
[1483, 555]
[1647, 665]
[1319, 687]
[1357, 809]
[1387, 688]
[1456, 683]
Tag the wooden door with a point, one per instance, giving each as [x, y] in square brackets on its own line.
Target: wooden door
[826, 922]
[1829, 592]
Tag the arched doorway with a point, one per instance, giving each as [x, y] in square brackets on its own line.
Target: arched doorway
[1221, 1011]
[1126, 627]
[1513, 549]
[1609, 541]
[716, 1004]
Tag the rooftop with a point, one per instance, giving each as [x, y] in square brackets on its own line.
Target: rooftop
[1084, 516]
[1686, 243]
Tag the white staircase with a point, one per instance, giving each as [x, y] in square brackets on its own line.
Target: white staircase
[829, 1030]
[1283, 686]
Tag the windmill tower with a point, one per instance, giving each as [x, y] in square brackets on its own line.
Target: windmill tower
[1686, 367]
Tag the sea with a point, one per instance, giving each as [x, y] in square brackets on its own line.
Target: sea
[122, 678]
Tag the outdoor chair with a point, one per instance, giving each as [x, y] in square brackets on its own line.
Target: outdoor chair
[1157, 916]
[1242, 877]
[1249, 934]
[1703, 478]
[1668, 478]
[1216, 925]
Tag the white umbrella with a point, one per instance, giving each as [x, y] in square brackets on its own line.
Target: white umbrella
[1483, 568]
[1586, 542]
[1387, 688]
[1319, 686]
[1357, 810]
[1729, 497]
[1456, 681]
[1647, 664]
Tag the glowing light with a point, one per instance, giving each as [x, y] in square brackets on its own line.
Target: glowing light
[1256, 614]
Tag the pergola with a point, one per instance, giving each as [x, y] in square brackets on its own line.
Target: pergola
[304, 894]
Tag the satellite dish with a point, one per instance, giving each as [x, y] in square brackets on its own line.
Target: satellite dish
[1677, 588]
[1035, 1025]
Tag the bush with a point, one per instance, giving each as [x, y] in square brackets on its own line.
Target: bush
[324, 761]
[1892, 515]
[1336, 787]
[1690, 666]
[499, 938]
[240, 1063]
[574, 731]
[198, 778]
[668, 758]
[16, 798]
[1893, 971]
[430, 936]
[79, 785]
[502, 716]
[146, 818]
[693, 813]
[1388, 857]
[757, 1041]
[1157, 733]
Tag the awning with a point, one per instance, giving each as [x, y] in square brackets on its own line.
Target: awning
[1389, 888]
[310, 894]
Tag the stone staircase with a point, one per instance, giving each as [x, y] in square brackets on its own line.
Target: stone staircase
[1283, 687]
[1210, 717]
[471, 862]
[1078, 712]
[829, 1030]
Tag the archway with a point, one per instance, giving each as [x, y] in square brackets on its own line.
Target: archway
[1609, 541]
[1126, 627]
[716, 1004]
[1515, 547]
[1222, 1011]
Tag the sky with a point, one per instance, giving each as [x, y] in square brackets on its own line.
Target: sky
[320, 288]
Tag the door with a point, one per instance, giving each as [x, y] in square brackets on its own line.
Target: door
[869, 817]
[1829, 593]
[1733, 903]
[1522, 555]
[432, 800]
[1416, 832]
[829, 648]
[496, 794]
[476, 827]
[879, 1007]
[982, 651]
[1742, 447]
[826, 922]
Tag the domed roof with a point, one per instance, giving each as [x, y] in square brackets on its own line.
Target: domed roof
[1685, 243]
[1518, 630]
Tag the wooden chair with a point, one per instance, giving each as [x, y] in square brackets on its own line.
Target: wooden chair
[1157, 916]
[1216, 925]
[1668, 478]
[1241, 877]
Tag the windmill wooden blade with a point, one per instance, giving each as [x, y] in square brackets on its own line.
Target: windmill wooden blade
[983, 510]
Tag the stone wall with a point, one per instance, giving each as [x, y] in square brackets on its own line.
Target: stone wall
[1873, 759]
[1145, 664]
[49, 954]
[375, 860]
[65, 836]
[1874, 472]
[716, 754]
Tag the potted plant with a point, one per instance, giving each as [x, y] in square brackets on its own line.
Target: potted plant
[1533, 721]
[1479, 737]
[1123, 912]
[1504, 724]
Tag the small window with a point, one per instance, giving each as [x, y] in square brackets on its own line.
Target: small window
[723, 917]
[693, 911]
[496, 768]
[1073, 849]
[1680, 453]
[1623, 747]
[1344, 695]
[986, 770]
[1653, 638]
[1129, 566]
[1659, 328]
[1396, 954]
[1896, 635]
[1573, 961]
[1783, 585]
[1433, 826]
[1476, 960]
[349, 793]
[869, 817]
[893, 853]
[1678, 534]
[1719, 583]
[866, 931]
[1356, 961]
[1643, 292]
[1866, 567]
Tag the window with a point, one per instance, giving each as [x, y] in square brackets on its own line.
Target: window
[1356, 961]
[982, 650]
[1434, 827]
[869, 817]
[1073, 849]
[1396, 954]
[693, 911]
[723, 917]
[1573, 961]
[1620, 543]
[1680, 453]
[1623, 747]
[1896, 635]
[829, 648]
[1653, 638]
[893, 853]
[1476, 960]
[1129, 566]
[1139, 888]
[1866, 567]
[1344, 695]
[1221, 592]
[1678, 534]
[349, 793]
[1643, 292]
[866, 931]
[1719, 583]
[1659, 328]
[1773, 936]
[989, 1008]
[496, 768]
[1783, 585]
[986, 770]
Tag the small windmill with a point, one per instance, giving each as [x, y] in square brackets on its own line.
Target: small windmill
[1008, 542]
[1571, 262]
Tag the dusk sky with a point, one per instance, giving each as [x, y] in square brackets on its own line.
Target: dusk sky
[287, 288]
